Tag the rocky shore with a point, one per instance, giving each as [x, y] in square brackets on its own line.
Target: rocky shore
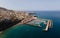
[9, 18]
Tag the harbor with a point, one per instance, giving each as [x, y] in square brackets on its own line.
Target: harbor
[10, 19]
[29, 18]
[14, 18]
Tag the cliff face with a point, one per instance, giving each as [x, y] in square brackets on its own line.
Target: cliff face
[9, 18]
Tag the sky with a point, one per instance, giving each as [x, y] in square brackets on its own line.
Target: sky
[32, 5]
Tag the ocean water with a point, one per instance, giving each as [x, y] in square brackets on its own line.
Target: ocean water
[27, 31]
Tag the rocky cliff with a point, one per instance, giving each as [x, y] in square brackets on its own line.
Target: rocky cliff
[9, 18]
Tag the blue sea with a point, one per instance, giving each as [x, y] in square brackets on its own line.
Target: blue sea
[25, 31]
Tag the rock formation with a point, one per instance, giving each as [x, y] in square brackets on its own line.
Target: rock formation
[9, 18]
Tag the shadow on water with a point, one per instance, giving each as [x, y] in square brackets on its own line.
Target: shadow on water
[5, 24]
